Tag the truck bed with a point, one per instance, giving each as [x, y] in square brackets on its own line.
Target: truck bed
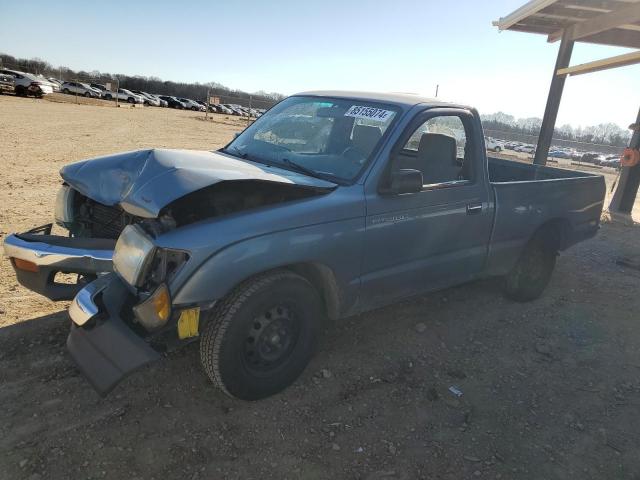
[529, 196]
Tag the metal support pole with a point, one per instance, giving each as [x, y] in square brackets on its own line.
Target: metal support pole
[627, 189]
[553, 101]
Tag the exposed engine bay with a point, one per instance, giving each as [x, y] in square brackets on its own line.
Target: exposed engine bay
[95, 220]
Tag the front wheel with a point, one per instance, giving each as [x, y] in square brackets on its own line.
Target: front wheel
[529, 277]
[131, 100]
[261, 337]
[87, 94]
[108, 97]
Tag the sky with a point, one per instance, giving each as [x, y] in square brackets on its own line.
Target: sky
[290, 46]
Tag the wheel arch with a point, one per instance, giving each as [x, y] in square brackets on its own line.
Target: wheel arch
[554, 233]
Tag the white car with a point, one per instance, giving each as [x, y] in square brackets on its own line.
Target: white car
[83, 89]
[29, 84]
[149, 99]
[123, 94]
[193, 105]
[493, 144]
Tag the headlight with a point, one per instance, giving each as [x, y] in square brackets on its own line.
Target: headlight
[133, 254]
[63, 212]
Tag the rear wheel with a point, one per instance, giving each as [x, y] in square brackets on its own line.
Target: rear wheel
[530, 276]
[66, 90]
[108, 96]
[131, 100]
[87, 94]
[261, 337]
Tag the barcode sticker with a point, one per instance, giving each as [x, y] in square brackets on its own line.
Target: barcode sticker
[379, 114]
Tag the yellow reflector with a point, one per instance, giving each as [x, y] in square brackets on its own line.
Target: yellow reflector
[188, 323]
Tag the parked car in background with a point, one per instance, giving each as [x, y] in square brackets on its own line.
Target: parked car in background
[249, 250]
[493, 145]
[149, 99]
[221, 109]
[192, 105]
[83, 89]
[7, 83]
[123, 94]
[173, 102]
[29, 84]
[55, 83]
[559, 154]
[98, 86]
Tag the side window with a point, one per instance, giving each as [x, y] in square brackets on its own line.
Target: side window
[438, 148]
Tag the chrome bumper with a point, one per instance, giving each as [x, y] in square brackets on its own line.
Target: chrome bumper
[47, 255]
[84, 307]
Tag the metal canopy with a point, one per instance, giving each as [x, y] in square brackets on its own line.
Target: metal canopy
[605, 22]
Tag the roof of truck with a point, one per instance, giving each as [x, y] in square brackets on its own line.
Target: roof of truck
[400, 99]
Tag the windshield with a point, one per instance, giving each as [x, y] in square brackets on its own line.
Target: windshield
[323, 137]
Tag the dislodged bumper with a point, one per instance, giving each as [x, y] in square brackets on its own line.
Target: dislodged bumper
[103, 346]
[37, 256]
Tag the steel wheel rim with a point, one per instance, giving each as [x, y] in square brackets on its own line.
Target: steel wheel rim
[270, 339]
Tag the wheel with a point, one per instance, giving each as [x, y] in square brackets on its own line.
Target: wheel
[131, 100]
[529, 277]
[87, 94]
[66, 90]
[261, 337]
[498, 149]
[21, 91]
[108, 96]
[194, 109]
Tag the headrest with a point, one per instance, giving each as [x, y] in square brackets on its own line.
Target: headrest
[365, 137]
[438, 144]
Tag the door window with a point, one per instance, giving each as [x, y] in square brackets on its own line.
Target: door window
[439, 149]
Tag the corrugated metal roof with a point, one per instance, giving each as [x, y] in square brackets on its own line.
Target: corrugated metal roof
[605, 22]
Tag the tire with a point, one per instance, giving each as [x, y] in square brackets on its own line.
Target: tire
[261, 336]
[20, 91]
[531, 274]
[194, 109]
[108, 97]
[87, 94]
[66, 90]
[498, 149]
[131, 100]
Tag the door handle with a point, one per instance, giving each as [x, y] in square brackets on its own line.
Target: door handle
[474, 208]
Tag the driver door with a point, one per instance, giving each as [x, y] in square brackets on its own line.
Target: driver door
[438, 236]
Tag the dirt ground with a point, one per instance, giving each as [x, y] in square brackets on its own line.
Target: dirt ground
[550, 389]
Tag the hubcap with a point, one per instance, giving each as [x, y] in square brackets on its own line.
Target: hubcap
[270, 339]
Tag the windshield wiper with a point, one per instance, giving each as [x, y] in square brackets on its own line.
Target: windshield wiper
[301, 168]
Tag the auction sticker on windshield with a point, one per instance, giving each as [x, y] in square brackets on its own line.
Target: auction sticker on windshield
[359, 111]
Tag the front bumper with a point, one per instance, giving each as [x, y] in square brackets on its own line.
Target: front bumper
[103, 346]
[51, 254]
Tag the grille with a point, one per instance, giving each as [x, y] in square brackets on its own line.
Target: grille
[107, 222]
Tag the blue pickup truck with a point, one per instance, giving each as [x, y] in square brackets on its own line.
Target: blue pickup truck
[331, 204]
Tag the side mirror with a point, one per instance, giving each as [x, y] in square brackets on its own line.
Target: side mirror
[406, 180]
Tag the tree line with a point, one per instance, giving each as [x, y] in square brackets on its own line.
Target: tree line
[196, 91]
[603, 134]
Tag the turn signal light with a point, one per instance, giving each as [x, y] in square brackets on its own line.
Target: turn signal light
[155, 311]
[25, 265]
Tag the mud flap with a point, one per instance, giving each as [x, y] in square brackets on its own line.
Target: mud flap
[108, 352]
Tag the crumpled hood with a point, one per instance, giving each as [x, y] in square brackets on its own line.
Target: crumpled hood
[145, 181]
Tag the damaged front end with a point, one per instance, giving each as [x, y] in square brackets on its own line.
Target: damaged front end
[114, 208]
